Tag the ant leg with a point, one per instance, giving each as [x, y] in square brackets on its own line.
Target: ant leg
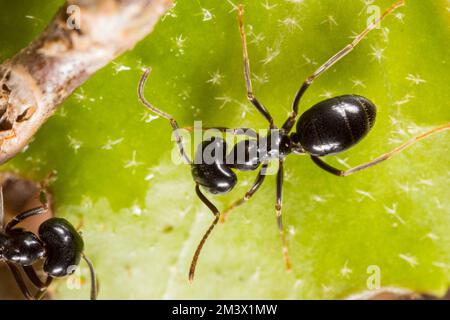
[163, 114]
[42, 286]
[41, 293]
[24, 215]
[216, 213]
[34, 278]
[29, 213]
[2, 208]
[330, 62]
[20, 282]
[258, 182]
[235, 131]
[94, 282]
[343, 173]
[278, 205]
[247, 75]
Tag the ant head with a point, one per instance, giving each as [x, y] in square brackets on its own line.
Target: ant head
[64, 247]
[209, 168]
[21, 247]
[334, 125]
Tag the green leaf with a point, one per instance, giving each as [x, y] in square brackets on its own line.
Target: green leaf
[141, 218]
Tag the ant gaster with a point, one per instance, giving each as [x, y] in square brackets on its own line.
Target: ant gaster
[57, 242]
[327, 128]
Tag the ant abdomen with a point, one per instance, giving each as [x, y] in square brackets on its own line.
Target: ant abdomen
[64, 247]
[335, 124]
[23, 248]
[210, 169]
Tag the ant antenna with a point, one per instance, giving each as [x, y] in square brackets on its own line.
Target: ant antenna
[216, 213]
[199, 249]
[145, 102]
[94, 283]
[163, 114]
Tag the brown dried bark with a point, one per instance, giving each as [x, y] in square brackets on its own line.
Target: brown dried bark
[40, 77]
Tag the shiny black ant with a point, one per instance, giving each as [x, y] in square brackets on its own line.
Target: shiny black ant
[58, 243]
[327, 128]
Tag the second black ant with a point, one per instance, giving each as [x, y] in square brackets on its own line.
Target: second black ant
[57, 243]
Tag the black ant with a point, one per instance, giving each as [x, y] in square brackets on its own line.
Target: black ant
[327, 128]
[58, 243]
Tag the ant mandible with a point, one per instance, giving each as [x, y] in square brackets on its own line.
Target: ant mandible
[58, 243]
[329, 127]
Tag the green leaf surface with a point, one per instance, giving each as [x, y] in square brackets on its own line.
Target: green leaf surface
[141, 218]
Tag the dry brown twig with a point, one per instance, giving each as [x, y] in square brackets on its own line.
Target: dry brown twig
[41, 76]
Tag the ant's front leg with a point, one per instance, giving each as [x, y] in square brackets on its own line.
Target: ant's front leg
[29, 213]
[234, 131]
[343, 173]
[20, 282]
[24, 215]
[34, 278]
[22, 285]
[258, 182]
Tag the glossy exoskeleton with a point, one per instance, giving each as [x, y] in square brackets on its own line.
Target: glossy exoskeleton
[329, 127]
[57, 243]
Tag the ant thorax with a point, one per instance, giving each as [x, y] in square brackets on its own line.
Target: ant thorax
[276, 145]
[22, 247]
[245, 153]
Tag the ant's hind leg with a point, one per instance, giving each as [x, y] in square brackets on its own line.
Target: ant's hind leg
[278, 206]
[343, 173]
[330, 62]
[247, 75]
